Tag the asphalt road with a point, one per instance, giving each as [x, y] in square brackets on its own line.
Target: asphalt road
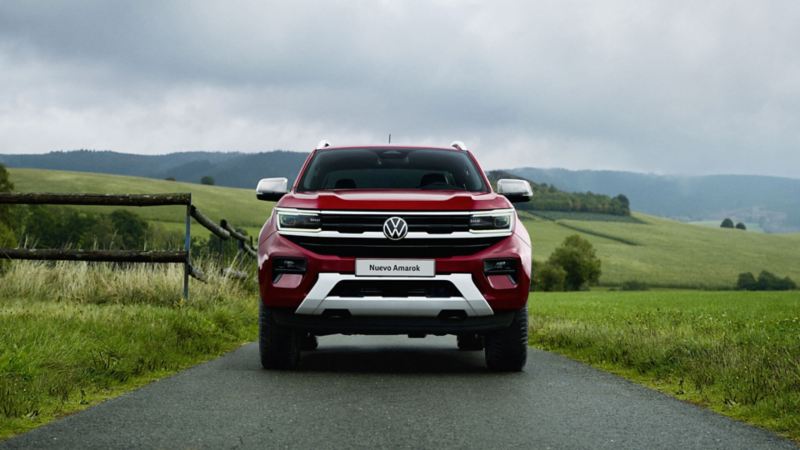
[399, 393]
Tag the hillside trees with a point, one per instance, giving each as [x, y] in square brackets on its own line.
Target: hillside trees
[207, 180]
[547, 197]
[728, 223]
[766, 281]
[43, 226]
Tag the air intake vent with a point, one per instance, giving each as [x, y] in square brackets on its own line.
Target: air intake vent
[384, 248]
[392, 288]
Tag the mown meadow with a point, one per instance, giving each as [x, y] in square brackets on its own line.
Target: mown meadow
[737, 353]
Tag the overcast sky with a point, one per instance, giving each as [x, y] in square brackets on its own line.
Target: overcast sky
[668, 87]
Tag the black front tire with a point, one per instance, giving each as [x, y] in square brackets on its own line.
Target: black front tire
[279, 346]
[507, 349]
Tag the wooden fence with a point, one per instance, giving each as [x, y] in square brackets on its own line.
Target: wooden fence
[224, 231]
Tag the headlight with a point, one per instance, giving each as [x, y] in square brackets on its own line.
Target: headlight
[297, 220]
[491, 221]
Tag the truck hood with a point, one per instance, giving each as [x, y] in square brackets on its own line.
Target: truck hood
[394, 200]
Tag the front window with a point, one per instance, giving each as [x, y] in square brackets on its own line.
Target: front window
[391, 168]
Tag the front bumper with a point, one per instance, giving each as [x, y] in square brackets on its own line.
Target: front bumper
[383, 325]
[471, 302]
[308, 294]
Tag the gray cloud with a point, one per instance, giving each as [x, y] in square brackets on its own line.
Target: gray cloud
[658, 86]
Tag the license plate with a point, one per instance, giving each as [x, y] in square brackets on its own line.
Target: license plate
[395, 267]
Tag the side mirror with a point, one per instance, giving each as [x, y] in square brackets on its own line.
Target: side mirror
[272, 189]
[516, 191]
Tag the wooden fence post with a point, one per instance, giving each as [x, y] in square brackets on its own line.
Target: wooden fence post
[187, 246]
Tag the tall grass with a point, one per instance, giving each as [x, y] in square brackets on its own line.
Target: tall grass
[106, 283]
[737, 352]
[72, 334]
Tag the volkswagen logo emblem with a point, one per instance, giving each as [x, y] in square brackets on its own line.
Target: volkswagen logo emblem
[395, 228]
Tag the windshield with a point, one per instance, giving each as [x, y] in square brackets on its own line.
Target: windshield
[391, 168]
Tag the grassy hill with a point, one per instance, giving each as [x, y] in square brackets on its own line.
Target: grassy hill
[771, 202]
[232, 169]
[239, 206]
[663, 252]
[654, 250]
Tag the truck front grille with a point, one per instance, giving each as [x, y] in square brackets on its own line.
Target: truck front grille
[384, 248]
[358, 223]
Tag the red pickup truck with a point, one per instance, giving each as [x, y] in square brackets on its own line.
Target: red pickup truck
[394, 240]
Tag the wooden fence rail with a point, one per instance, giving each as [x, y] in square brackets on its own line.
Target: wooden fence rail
[40, 198]
[245, 243]
[206, 222]
[51, 254]
[224, 231]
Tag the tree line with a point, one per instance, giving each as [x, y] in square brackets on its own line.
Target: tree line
[728, 223]
[547, 197]
[766, 281]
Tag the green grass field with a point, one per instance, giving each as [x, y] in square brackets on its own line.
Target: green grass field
[666, 253]
[74, 334]
[735, 352]
[657, 251]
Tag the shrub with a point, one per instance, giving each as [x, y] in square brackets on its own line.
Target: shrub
[767, 281]
[746, 282]
[5, 182]
[552, 278]
[209, 180]
[577, 257]
[131, 228]
[7, 238]
[741, 226]
[727, 223]
[5, 186]
[536, 280]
